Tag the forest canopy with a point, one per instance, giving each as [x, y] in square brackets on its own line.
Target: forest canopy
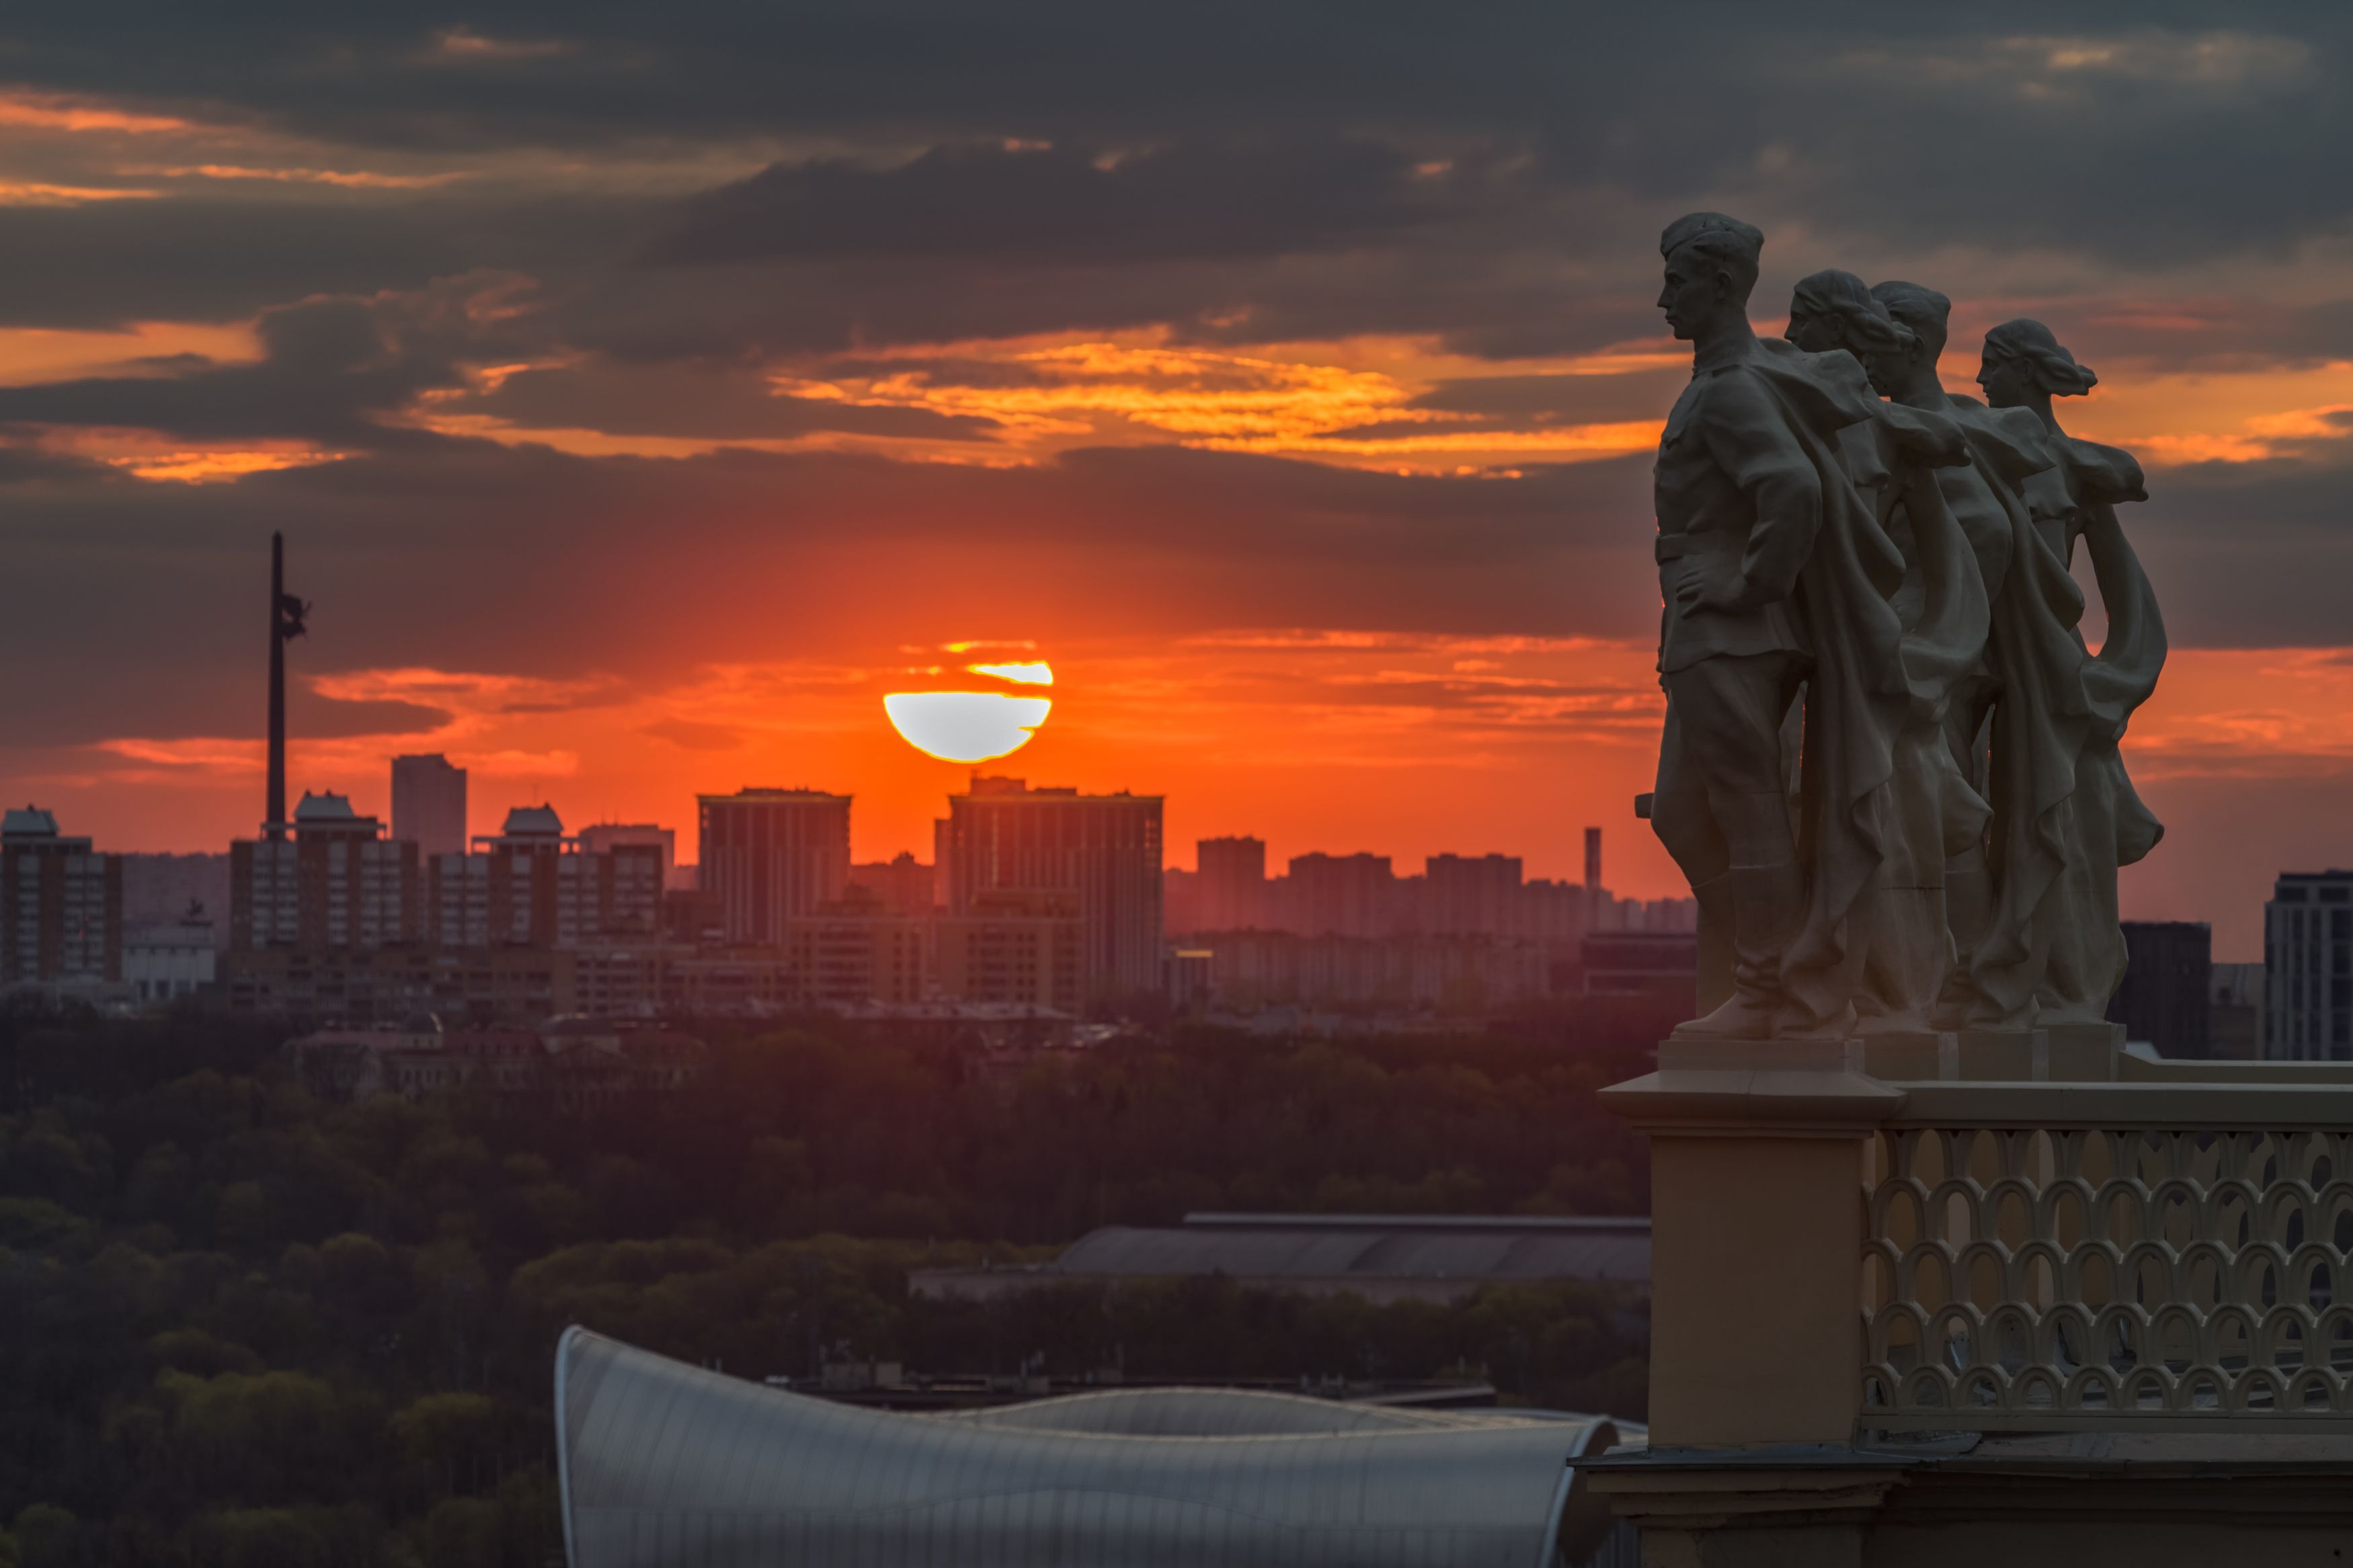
[243, 1326]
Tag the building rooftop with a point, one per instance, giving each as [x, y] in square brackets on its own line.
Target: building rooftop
[533, 822]
[1465, 1250]
[756, 793]
[27, 822]
[325, 806]
[654, 1450]
[991, 786]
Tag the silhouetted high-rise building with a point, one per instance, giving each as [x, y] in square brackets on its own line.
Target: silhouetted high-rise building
[598, 837]
[1466, 895]
[903, 885]
[1346, 895]
[2164, 994]
[529, 885]
[769, 855]
[1015, 949]
[2308, 967]
[1231, 892]
[1104, 850]
[61, 906]
[2234, 1012]
[1560, 913]
[338, 884]
[428, 803]
[857, 950]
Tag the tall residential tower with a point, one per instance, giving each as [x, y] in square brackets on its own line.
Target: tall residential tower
[769, 855]
[1098, 854]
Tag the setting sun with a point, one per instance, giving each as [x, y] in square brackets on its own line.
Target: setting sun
[974, 726]
[966, 726]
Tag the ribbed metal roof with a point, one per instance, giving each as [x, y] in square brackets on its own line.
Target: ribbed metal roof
[1371, 1247]
[1219, 1413]
[661, 1463]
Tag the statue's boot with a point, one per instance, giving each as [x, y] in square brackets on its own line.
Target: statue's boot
[1765, 903]
[1716, 923]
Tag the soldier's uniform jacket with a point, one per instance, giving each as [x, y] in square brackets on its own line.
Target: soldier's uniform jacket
[1733, 487]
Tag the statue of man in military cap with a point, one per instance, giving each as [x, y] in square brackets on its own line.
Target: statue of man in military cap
[1775, 575]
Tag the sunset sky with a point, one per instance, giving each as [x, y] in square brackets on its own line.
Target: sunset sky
[645, 391]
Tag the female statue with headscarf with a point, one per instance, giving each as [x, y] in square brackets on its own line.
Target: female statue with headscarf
[2055, 951]
[1904, 950]
[2023, 689]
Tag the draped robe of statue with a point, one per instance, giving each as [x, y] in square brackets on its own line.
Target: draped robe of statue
[1899, 457]
[2065, 815]
[2026, 633]
[1857, 694]
[2109, 826]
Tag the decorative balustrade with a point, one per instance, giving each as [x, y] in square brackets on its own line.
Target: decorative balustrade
[2050, 1268]
[1922, 1234]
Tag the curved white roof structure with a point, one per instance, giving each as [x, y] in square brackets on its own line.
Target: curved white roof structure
[661, 1463]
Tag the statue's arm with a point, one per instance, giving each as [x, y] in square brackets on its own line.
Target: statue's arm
[1932, 439]
[1750, 439]
[2104, 473]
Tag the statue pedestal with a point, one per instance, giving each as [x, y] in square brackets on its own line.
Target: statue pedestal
[1755, 1197]
[2082, 1053]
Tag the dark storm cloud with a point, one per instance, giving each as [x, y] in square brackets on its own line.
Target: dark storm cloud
[1264, 183]
[694, 402]
[1561, 399]
[2099, 126]
[988, 205]
[329, 368]
[216, 257]
[24, 465]
[330, 718]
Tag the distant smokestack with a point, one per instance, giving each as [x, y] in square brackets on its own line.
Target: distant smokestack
[286, 613]
[1593, 894]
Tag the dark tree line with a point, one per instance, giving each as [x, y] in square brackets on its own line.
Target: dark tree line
[241, 1328]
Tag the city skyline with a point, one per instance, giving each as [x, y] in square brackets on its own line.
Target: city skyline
[1555, 852]
[1308, 440]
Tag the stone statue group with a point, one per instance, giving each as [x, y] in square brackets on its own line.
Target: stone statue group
[1890, 767]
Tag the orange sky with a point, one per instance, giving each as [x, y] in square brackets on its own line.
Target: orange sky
[1315, 738]
[1404, 745]
[536, 515]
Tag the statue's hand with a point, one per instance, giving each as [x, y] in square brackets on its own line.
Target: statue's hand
[1720, 587]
